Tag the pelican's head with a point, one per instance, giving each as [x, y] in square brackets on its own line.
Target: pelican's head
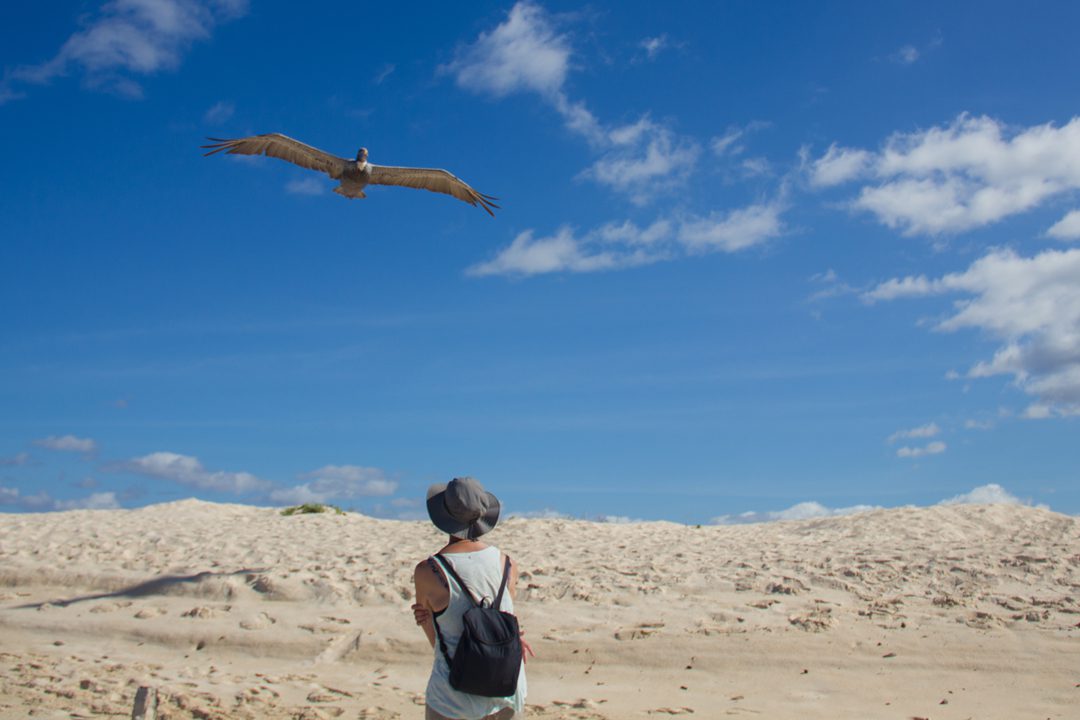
[361, 156]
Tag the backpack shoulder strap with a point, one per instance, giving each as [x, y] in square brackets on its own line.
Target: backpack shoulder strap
[445, 562]
[502, 586]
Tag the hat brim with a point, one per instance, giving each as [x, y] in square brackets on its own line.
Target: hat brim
[436, 507]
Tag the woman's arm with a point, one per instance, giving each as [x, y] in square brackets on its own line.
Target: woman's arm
[422, 608]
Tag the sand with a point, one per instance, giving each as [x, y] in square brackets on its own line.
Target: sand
[232, 611]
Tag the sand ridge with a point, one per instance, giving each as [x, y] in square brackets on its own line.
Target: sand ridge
[234, 611]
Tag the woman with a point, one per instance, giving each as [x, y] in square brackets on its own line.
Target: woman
[465, 511]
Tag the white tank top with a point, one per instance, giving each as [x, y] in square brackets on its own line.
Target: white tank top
[482, 571]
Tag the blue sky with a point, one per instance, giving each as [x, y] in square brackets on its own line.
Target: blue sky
[752, 257]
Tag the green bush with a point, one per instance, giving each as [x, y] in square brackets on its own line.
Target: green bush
[312, 508]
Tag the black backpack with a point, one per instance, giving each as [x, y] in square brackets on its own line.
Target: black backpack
[487, 660]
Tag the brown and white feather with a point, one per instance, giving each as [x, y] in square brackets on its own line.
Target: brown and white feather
[283, 147]
[432, 179]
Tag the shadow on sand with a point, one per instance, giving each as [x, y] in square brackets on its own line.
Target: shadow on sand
[157, 586]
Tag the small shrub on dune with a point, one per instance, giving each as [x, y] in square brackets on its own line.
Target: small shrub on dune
[307, 508]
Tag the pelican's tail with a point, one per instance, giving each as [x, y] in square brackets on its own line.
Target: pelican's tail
[350, 192]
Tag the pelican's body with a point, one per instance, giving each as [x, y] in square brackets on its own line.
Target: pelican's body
[352, 175]
[356, 177]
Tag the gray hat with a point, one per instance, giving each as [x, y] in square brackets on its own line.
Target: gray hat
[462, 508]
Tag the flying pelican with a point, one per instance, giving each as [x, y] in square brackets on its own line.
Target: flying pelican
[354, 175]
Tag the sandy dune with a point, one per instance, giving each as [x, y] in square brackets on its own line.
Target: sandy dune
[237, 612]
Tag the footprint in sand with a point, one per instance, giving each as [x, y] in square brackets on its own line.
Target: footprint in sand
[259, 622]
[638, 632]
[200, 613]
[109, 607]
[150, 612]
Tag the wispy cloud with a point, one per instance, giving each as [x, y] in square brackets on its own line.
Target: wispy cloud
[126, 38]
[948, 179]
[336, 482]
[733, 230]
[1067, 228]
[802, 511]
[616, 246]
[1031, 304]
[385, 71]
[526, 53]
[220, 112]
[991, 494]
[644, 158]
[305, 186]
[923, 431]
[906, 55]
[545, 514]
[43, 501]
[523, 53]
[935, 448]
[187, 470]
[839, 165]
[830, 285]
[67, 443]
[911, 53]
[94, 501]
[17, 460]
[654, 45]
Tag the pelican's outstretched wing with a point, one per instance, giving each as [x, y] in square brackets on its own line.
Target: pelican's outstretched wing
[432, 179]
[283, 147]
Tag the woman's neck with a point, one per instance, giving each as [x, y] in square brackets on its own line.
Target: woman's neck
[462, 545]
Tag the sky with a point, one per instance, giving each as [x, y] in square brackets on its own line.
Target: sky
[753, 260]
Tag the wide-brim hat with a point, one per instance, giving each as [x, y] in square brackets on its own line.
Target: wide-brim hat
[463, 508]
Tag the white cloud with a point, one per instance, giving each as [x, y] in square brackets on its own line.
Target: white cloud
[125, 38]
[906, 55]
[67, 443]
[1032, 305]
[728, 143]
[42, 501]
[982, 495]
[617, 246]
[1037, 411]
[839, 165]
[305, 186]
[219, 113]
[645, 158]
[910, 286]
[978, 424]
[653, 45]
[1067, 228]
[187, 470]
[525, 53]
[992, 494]
[384, 72]
[561, 252]
[336, 482]
[973, 172]
[545, 514]
[732, 231]
[923, 431]
[935, 448]
[10, 496]
[618, 519]
[95, 501]
[831, 286]
[801, 511]
[16, 460]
